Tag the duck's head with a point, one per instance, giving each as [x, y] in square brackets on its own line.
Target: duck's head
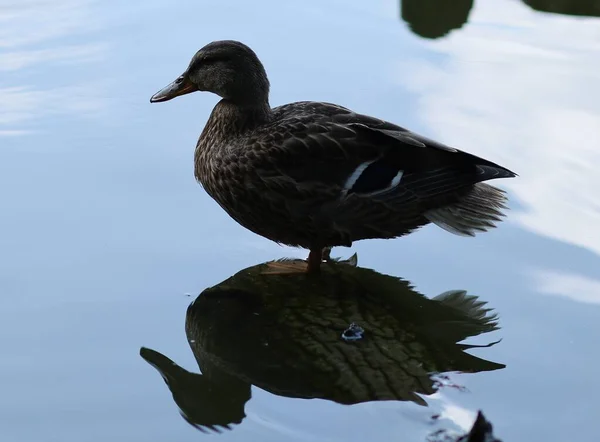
[227, 68]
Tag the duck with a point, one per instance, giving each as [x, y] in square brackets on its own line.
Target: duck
[317, 175]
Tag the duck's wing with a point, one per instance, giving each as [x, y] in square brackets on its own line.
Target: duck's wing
[324, 151]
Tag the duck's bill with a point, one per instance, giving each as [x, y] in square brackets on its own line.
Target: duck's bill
[181, 86]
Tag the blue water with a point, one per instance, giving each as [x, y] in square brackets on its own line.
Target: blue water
[106, 238]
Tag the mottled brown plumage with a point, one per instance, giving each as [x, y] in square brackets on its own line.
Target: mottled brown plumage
[317, 175]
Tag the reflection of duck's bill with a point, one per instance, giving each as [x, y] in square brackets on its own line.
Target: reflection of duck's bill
[154, 358]
[165, 366]
[200, 403]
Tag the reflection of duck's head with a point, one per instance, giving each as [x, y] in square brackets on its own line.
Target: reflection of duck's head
[205, 401]
[350, 336]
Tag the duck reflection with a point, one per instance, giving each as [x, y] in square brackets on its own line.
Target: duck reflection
[352, 335]
[433, 19]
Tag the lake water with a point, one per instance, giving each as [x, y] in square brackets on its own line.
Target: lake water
[106, 238]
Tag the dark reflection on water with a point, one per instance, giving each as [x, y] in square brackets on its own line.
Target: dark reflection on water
[284, 334]
[590, 8]
[436, 18]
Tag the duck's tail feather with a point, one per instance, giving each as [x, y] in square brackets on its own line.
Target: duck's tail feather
[478, 211]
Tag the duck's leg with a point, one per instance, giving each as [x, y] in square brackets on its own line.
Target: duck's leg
[315, 257]
[326, 254]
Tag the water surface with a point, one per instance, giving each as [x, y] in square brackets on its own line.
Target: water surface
[106, 238]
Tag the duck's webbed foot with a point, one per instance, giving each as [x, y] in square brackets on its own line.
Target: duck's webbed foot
[285, 267]
[326, 254]
[326, 257]
[317, 256]
[312, 265]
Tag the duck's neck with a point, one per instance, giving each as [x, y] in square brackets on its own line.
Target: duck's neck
[231, 119]
[227, 122]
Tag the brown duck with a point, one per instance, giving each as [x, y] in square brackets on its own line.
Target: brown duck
[317, 175]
